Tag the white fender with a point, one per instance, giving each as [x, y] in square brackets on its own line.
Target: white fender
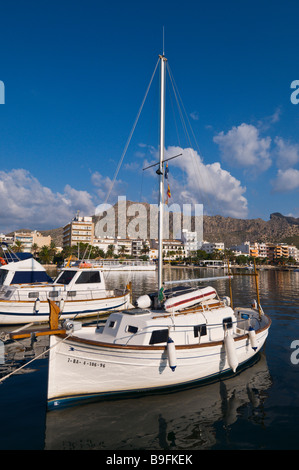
[231, 353]
[144, 301]
[61, 305]
[252, 338]
[36, 305]
[171, 352]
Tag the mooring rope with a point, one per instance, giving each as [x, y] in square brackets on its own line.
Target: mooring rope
[34, 359]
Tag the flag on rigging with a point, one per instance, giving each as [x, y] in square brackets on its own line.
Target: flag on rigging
[168, 193]
[166, 171]
[166, 177]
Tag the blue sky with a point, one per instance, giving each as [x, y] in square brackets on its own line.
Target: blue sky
[76, 72]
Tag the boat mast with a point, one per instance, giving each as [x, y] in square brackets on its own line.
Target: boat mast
[160, 170]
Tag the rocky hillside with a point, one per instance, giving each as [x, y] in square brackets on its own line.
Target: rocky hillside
[232, 231]
[235, 231]
[277, 229]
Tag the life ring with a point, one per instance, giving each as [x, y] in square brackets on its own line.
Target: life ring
[2, 261]
[85, 265]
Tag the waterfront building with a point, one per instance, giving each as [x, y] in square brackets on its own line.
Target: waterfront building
[172, 249]
[29, 239]
[190, 241]
[212, 247]
[80, 229]
[140, 247]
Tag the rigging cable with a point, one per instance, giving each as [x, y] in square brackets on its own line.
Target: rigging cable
[130, 136]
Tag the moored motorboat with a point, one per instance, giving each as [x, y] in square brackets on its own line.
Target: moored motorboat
[25, 289]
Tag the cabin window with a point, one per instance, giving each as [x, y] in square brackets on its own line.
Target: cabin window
[55, 293]
[227, 323]
[65, 277]
[3, 274]
[132, 329]
[89, 277]
[71, 293]
[33, 295]
[200, 330]
[111, 324]
[159, 336]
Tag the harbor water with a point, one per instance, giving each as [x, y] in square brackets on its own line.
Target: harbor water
[256, 409]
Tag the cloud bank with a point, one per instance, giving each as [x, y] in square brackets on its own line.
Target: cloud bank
[243, 146]
[26, 203]
[210, 185]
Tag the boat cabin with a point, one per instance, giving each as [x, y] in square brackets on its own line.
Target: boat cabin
[149, 328]
[23, 271]
[79, 279]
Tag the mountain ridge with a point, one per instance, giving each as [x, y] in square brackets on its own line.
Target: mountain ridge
[217, 228]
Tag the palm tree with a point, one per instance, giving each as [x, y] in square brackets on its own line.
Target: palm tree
[110, 251]
[18, 246]
[145, 249]
[122, 250]
[45, 255]
[34, 249]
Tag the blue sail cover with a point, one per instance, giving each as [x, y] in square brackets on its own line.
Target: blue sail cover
[11, 257]
[25, 277]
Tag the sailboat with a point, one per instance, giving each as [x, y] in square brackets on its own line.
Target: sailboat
[171, 338]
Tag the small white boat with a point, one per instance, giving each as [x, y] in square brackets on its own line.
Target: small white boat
[25, 289]
[171, 340]
[127, 265]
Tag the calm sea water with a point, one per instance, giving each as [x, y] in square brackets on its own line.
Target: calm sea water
[256, 409]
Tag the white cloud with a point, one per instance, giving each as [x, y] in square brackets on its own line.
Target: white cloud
[106, 185]
[194, 115]
[286, 180]
[287, 153]
[242, 146]
[26, 203]
[210, 185]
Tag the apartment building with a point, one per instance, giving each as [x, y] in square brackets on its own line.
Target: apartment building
[138, 247]
[28, 239]
[172, 249]
[80, 229]
[212, 247]
[190, 241]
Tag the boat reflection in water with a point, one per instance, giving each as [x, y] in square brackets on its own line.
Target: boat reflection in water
[181, 420]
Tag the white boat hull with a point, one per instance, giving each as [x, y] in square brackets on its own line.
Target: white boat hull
[24, 312]
[81, 369]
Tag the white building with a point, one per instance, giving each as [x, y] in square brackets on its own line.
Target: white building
[294, 252]
[122, 246]
[243, 249]
[190, 241]
[212, 247]
[172, 249]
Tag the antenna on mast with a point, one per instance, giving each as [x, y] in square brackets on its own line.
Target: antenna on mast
[163, 40]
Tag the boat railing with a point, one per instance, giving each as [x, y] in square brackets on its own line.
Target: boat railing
[12, 294]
